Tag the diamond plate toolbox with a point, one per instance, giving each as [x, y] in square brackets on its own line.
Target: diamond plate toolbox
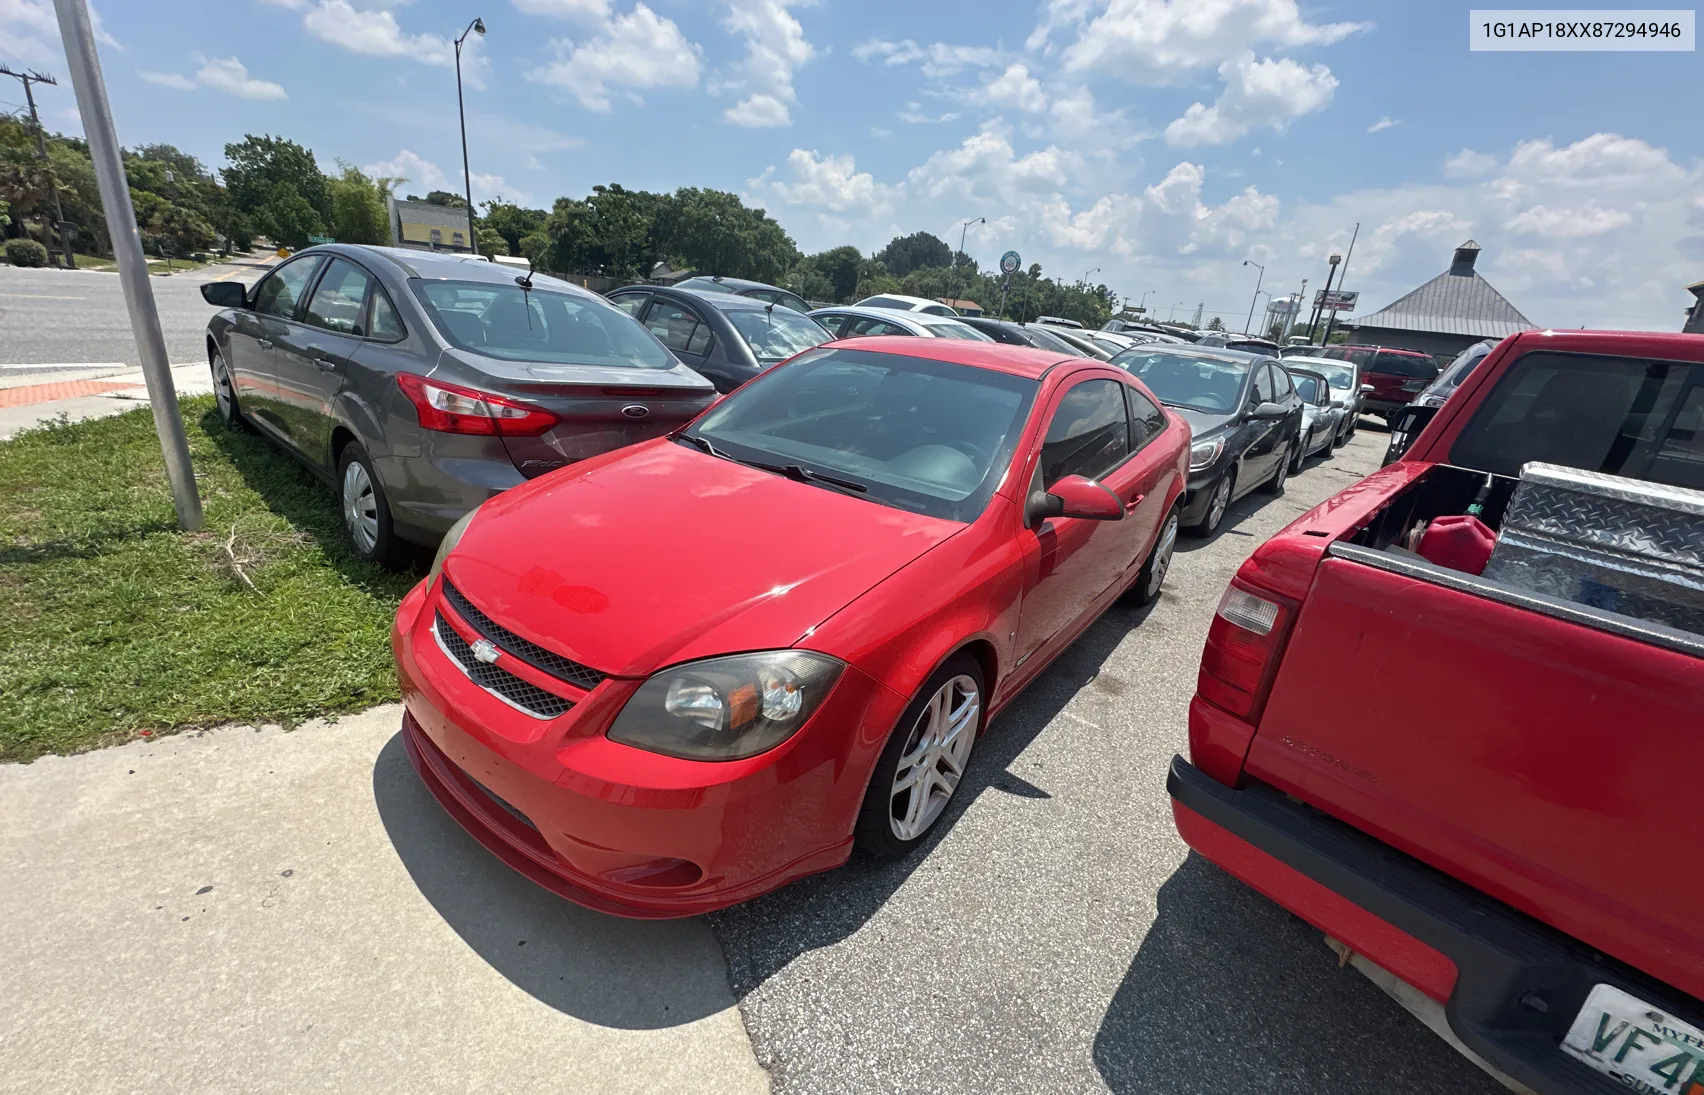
[1621, 545]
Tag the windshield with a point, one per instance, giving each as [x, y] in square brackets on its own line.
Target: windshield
[1458, 370]
[1046, 340]
[1341, 377]
[927, 436]
[957, 330]
[505, 321]
[1180, 380]
[1306, 387]
[775, 334]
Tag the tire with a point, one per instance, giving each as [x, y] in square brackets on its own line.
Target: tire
[1301, 455]
[1214, 516]
[366, 511]
[1153, 576]
[915, 749]
[225, 392]
[1275, 485]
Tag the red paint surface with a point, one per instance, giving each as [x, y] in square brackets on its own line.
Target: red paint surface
[609, 562]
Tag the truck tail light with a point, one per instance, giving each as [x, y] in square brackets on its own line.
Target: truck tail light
[1243, 645]
[451, 408]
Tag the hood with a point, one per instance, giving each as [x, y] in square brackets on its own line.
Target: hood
[1202, 423]
[659, 553]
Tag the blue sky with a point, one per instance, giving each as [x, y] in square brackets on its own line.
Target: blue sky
[1163, 143]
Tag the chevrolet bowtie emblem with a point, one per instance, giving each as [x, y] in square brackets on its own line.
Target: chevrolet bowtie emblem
[485, 650]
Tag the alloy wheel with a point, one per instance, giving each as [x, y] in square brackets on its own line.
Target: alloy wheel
[1162, 556]
[934, 758]
[1220, 501]
[224, 391]
[360, 507]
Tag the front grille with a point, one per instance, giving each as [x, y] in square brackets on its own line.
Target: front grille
[545, 661]
[525, 695]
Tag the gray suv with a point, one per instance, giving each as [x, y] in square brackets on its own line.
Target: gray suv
[420, 384]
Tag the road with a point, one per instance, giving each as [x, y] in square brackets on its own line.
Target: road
[75, 317]
[1058, 936]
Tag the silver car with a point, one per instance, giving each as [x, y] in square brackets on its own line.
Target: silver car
[1322, 419]
[1344, 377]
[854, 321]
[419, 384]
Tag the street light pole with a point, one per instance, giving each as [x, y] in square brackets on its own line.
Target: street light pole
[963, 230]
[1143, 307]
[475, 27]
[1325, 297]
[90, 87]
[1247, 323]
[1172, 315]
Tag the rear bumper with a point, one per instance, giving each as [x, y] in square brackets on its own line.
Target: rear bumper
[1382, 406]
[1510, 984]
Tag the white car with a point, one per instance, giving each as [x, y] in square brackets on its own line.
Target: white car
[900, 303]
[1322, 417]
[855, 321]
[1345, 380]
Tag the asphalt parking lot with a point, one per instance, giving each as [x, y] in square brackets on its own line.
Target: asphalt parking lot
[1058, 936]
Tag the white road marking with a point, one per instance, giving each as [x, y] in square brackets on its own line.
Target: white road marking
[39, 296]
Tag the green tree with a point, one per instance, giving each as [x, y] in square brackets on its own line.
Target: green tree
[360, 212]
[714, 232]
[841, 267]
[260, 165]
[512, 222]
[288, 217]
[536, 246]
[491, 242]
[920, 250]
[620, 242]
[1215, 324]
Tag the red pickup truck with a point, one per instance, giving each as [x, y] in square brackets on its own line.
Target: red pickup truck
[1507, 812]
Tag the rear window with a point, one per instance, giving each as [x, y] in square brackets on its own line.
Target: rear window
[884, 302]
[1624, 416]
[1411, 366]
[515, 324]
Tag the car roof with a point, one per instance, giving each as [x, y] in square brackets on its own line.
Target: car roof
[925, 301]
[727, 302]
[1190, 349]
[729, 283]
[890, 315]
[438, 265]
[997, 356]
[1306, 360]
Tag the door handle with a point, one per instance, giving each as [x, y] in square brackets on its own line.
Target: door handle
[326, 364]
[264, 343]
[1131, 505]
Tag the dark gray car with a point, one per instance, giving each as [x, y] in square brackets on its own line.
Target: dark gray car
[727, 338]
[1022, 334]
[740, 287]
[420, 384]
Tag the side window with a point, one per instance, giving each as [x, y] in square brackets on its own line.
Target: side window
[798, 304]
[1146, 420]
[339, 298]
[282, 289]
[1264, 392]
[678, 328]
[1592, 412]
[864, 325]
[832, 324]
[1089, 435]
[385, 324]
[1281, 385]
[631, 303]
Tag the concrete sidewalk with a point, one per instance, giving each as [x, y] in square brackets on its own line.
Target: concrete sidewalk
[32, 395]
[263, 911]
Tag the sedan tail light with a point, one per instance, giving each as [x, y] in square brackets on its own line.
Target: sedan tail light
[1243, 645]
[451, 408]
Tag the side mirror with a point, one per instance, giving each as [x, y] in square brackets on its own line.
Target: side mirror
[1366, 389]
[1073, 496]
[224, 294]
[1268, 412]
[1405, 425]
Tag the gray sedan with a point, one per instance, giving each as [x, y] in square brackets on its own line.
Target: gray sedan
[1322, 418]
[853, 321]
[420, 384]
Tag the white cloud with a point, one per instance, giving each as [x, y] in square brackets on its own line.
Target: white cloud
[420, 175]
[1561, 224]
[595, 12]
[829, 182]
[1257, 94]
[1383, 124]
[226, 74]
[936, 60]
[636, 50]
[1158, 41]
[1017, 89]
[775, 48]
[1468, 164]
[168, 79]
[913, 115]
[232, 77]
[29, 33]
[374, 33]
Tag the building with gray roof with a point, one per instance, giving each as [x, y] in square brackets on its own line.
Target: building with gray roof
[1444, 316]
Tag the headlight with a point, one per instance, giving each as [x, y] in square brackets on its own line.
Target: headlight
[726, 708]
[1203, 453]
[451, 539]
[1430, 399]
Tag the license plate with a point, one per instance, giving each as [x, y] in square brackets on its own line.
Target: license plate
[1644, 1047]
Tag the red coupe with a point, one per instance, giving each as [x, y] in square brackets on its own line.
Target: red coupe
[670, 678]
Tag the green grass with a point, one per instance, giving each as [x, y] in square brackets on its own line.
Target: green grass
[119, 624]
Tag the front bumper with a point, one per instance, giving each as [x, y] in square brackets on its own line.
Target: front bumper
[619, 829]
[1510, 984]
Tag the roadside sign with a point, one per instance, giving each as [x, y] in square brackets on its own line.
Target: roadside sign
[1009, 263]
[321, 239]
[1337, 299]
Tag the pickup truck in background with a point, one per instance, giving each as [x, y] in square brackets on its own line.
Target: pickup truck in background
[1503, 824]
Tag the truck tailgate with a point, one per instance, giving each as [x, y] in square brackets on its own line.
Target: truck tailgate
[1556, 766]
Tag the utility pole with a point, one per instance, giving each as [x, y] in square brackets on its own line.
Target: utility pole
[1345, 277]
[90, 87]
[1325, 297]
[1252, 301]
[27, 78]
[952, 267]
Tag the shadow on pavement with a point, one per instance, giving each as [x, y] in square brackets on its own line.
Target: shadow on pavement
[626, 974]
[1229, 992]
[762, 936]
